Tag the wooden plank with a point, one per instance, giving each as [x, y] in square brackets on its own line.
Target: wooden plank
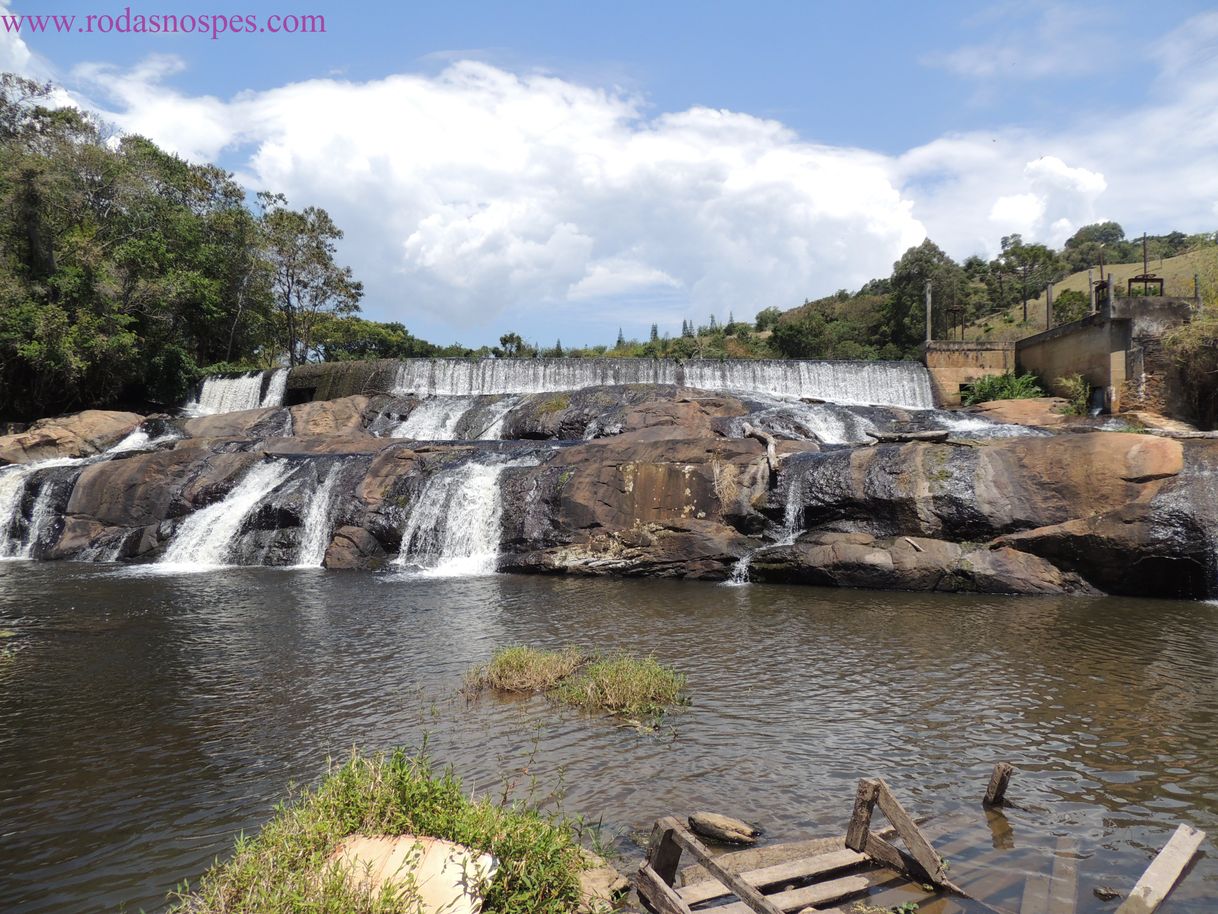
[915, 840]
[860, 816]
[821, 893]
[1035, 895]
[770, 876]
[1164, 872]
[752, 899]
[657, 895]
[997, 789]
[1063, 888]
[663, 853]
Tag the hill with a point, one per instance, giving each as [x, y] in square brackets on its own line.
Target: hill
[1177, 272]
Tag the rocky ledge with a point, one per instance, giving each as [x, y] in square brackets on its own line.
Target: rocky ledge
[653, 481]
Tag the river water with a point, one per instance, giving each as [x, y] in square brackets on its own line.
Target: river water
[145, 719]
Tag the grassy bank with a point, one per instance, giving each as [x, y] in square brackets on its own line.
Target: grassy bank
[639, 689]
[283, 869]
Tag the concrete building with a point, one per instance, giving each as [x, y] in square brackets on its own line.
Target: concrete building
[1118, 350]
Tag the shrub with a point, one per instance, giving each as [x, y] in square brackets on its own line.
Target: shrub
[630, 687]
[1009, 386]
[284, 868]
[1077, 391]
[525, 669]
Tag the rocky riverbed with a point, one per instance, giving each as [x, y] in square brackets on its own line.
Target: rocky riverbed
[631, 480]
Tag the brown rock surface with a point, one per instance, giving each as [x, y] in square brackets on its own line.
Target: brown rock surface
[78, 435]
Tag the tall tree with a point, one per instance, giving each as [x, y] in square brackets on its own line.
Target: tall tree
[1033, 265]
[905, 309]
[306, 282]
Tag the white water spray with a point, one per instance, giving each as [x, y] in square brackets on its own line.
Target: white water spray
[316, 534]
[453, 530]
[205, 539]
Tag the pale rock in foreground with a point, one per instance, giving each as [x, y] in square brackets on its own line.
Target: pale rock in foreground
[442, 876]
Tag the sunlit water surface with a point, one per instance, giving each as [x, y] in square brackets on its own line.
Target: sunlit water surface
[145, 720]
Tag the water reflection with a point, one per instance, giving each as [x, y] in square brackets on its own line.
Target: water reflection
[144, 720]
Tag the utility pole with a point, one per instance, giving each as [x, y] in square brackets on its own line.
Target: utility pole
[930, 327]
[1049, 306]
[1091, 286]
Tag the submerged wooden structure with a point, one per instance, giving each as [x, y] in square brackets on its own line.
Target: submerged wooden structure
[870, 871]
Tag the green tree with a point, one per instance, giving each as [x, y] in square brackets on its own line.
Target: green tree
[904, 310]
[1032, 265]
[767, 319]
[306, 283]
[512, 345]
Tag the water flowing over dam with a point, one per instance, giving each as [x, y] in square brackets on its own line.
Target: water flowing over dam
[229, 393]
[905, 384]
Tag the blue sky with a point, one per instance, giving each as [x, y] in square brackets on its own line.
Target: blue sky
[565, 168]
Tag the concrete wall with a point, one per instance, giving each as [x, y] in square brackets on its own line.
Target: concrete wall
[954, 364]
[1094, 347]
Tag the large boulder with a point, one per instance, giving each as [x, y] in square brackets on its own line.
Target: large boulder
[81, 434]
[594, 412]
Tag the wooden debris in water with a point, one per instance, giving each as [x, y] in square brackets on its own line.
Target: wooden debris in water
[1164, 872]
[996, 792]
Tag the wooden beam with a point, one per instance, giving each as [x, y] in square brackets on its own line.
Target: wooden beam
[997, 789]
[663, 853]
[821, 893]
[1035, 895]
[657, 895]
[860, 816]
[1164, 872]
[1063, 890]
[770, 876]
[913, 837]
[741, 889]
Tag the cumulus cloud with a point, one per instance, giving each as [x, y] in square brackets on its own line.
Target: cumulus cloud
[480, 198]
[480, 190]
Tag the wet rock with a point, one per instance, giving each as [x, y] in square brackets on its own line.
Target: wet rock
[1044, 412]
[354, 547]
[79, 435]
[601, 885]
[723, 828]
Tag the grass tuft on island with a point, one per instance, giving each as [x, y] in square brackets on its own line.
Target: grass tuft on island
[284, 867]
[639, 689]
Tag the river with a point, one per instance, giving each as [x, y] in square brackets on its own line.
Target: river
[147, 718]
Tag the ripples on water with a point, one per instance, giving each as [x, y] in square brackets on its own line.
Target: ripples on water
[145, 720]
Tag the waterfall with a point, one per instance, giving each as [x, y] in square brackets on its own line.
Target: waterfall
[317, 530]
[19, 537]
[275, 388]
[230, 393]
[904, 384]
[12, 493]
[792, 526]
[453, 529]
[435, 419]
[205, 538]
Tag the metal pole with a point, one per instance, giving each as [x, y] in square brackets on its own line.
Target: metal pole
[1091, 286]
[1049, 306]
[930, 328]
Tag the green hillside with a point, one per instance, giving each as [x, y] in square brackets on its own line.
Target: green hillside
[1177, 272]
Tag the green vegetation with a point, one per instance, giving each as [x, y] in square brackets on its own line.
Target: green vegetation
[630, 687]
[555, 404]
[126, 273]
[525, 669]
[284, 869]
[1077, 392]
[637, 689]
[1009, 386]
[1194, 346]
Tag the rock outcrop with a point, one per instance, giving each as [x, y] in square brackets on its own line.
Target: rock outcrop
[81, 434]
[650, 480]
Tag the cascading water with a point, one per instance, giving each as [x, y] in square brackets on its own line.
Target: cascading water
[317, 530]
[884, 383]
[229, 393]
[205, 538]
[12, 492]
[276, 387]
[435, 419]
[453, 529]
[792, 527]
[20, 536]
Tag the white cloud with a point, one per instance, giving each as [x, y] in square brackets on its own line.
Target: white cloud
[15, 55]
[480, 190]
[480, 196]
